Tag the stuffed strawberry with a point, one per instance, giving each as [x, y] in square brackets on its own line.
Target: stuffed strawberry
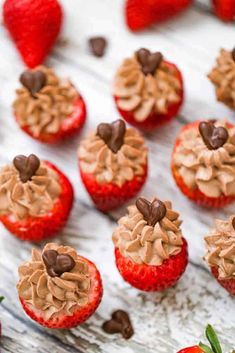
[58, 288]
[151, 253]
[36, 198]
[48, 108]
[148, 90]
[224, 9]
[113, 164]
[143, 13]
[214, 346]
[34, 26]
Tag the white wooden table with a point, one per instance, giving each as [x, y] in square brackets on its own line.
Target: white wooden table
[163, 322]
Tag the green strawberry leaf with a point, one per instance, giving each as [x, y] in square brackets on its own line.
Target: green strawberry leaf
[213, 339]
[205, 348]
[1, 299]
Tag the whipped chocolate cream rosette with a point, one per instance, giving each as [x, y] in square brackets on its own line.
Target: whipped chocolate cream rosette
[151, 253]
[113, 164]
[148, 90]
[58, 288]
[203, 162]
[35, 198]
[46, 107]
[220, 256]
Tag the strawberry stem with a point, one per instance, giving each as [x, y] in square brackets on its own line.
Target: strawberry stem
[213, 339]
[205, 348]
[1, 299]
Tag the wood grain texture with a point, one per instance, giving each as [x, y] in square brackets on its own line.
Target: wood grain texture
[163, 322]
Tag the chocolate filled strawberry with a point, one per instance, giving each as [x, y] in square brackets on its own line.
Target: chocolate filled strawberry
[58, 288]
[203, 162]
[48, 108]
[220, 244]
[113, 164]
[151, 253]
[148, 90]
[35, 198]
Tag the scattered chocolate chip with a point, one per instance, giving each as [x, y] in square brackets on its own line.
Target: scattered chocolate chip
[152, 212]
[233, 54]
[98, 46]
[119, 323]
[34, 81]
[112, 134]
[26, 166]
[213, 137]
[56, 264]
[149, 62]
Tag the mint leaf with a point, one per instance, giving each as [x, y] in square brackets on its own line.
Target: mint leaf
[213, 339]
[1, 299]
[205, 348]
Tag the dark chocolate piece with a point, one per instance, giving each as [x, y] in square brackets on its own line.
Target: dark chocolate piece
[233, 54]
[213, 137]
[98, 46]
[233, 223]
[152, 212]
[112, 134]
[149, 62]
[26, 166]
[34, 81]
[119, 323]
[56, 264]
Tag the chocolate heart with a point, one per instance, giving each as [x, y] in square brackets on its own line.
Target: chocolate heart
[233, 54]
[98, 46]
[34, 81]
[119, 323]
[56, 264]
[149, 61]
[213, 137]
[112, 134]
[152, 212]
[26, 166]
[233, 222]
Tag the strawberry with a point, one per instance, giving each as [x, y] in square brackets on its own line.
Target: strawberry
[228, 284]
[40, 228]
[225, 9]
[143, 13]
[153, 278]
[81, 314]
[34, 26]
[203, 348]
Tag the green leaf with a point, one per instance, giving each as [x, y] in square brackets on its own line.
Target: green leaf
[213, 339]
[205, 348]
[1, 299]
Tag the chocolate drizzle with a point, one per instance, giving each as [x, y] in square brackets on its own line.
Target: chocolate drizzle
[34, 81]
[56, 264]
[153, 212]
[149, 61]
[213, 137]
[26, 166]
[112, 134]
[233, 54]
[119, 323]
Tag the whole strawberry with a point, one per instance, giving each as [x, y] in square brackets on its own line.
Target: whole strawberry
[34, 26]
[214, 346]
[225, 9]
[143, 13]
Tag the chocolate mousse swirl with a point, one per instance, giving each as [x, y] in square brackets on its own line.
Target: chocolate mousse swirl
[211, 170]
[145, 83]
[113, 154]
[220, 244]
[28, 187]
[149, 235]
[223, 77]
[55, 295]
[44, 101]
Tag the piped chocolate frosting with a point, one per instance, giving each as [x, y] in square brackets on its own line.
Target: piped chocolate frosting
[149, 61]
[57, 264]
[153, 212]
[26, 166]
[213, 137]
[34, 81]
[112, 134]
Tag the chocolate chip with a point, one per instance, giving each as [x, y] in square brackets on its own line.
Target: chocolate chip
[34, 81]
[149, 62]
[98, 46]
[233, 54]
[56, 264]
[119, 323]
[152, 212]
[112, 134]
[213, 137]
[26, 166]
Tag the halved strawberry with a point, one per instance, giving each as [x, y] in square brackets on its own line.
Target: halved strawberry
[225, 9]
